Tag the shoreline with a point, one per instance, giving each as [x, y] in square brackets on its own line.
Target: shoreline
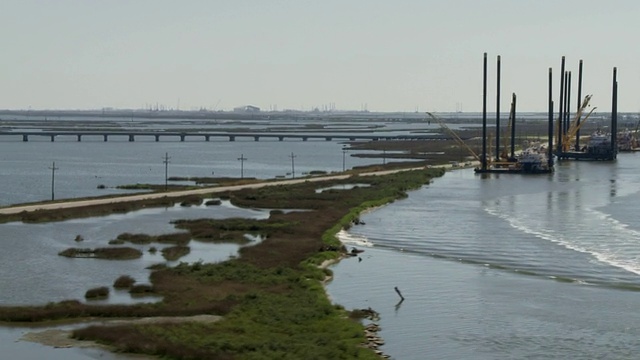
[315, 229]
[60, 338]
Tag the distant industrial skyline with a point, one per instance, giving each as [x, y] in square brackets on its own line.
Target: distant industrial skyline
[374, 55]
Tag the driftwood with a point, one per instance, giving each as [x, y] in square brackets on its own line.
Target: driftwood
[399, 294]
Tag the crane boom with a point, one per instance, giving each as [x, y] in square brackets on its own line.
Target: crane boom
[576, 124]
[454, 135]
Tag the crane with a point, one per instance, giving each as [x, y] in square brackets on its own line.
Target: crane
[507, 136]
[576, 124]
[454, 135]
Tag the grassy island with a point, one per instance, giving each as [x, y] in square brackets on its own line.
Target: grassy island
[271, 298]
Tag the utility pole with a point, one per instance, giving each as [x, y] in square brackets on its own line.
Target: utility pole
[165, 160]
[384, 156]
[293, 167]
[344, 152]
[53, 177]
[242, 159]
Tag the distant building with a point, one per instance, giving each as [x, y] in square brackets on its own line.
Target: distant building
[247, 108]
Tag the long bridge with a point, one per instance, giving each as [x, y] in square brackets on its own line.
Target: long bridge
[206, 136]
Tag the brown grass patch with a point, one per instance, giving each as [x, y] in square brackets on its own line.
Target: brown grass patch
[119, 253]
[124, 282]
[97, 293]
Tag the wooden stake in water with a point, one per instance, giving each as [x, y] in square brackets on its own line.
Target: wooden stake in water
[399, 293]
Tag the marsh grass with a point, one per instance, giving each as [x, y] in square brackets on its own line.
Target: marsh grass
[141, 289]
[119, 253]
[172, 253]
[271, 296]
[97, 293]
[231, 230]
[178, 238]
[124, 282]
[191, 201]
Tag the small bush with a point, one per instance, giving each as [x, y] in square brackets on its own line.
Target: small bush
[124, 282]
[119, 253]
[173, 253]
[97, 293]
[135, 238]
[141, 289]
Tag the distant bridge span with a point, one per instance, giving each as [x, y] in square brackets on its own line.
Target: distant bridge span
[206, 136]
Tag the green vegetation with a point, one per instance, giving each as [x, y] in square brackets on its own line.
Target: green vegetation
[180, 238]
[173, 253]
[271, 296]
[153, 187]
[317, 172]
[97, 293]
[119, 253]
[141, 289]
[221, 181]
[124, 282]
[231, 230]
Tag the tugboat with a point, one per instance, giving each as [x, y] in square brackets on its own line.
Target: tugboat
[599, 145]
[533, 161]
[627, 140]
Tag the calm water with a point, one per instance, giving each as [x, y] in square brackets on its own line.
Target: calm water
[33, 273]
[26, 174]
[502, 267]
[505, 267]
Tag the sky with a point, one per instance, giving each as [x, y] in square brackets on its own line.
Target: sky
[400, 55]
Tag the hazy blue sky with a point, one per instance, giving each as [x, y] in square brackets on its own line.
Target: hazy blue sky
[294, 54]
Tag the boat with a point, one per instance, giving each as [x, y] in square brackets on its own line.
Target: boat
[627, 140]
[533, 161]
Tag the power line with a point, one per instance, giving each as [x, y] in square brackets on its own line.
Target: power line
[242, 159]
[293, 167]
[53, 177]
[344, 152]
[166, 170]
